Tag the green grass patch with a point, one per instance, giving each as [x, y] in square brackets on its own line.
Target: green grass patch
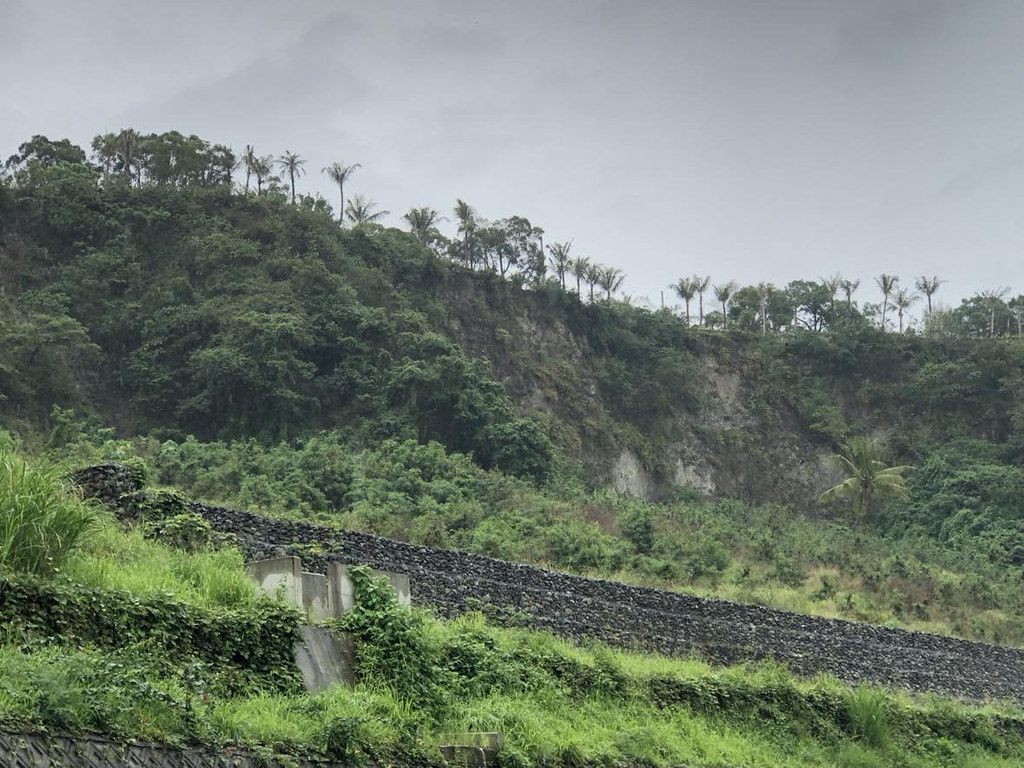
[41, 521]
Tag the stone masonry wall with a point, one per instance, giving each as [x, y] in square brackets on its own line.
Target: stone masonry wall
[33, 750]
[633, 617]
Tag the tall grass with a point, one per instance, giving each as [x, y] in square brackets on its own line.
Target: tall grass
[41, 519]
[869, 711]
[114, 558]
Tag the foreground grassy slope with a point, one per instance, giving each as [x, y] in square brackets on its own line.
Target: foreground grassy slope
[558, 705]
[896, 572]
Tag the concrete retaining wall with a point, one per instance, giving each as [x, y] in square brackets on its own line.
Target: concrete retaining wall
[18, 750]
[633, 617]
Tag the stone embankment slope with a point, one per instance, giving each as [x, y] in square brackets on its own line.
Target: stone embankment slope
[633, 617]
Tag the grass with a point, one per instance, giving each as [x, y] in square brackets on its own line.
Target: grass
[128, 695]
[113, 558]
[46, 530]
[41, 521]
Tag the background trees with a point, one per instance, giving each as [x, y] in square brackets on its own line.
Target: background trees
[868, 479]
[291, 164]
[929, 286]
[339, 173]
[511, 247]
[686, 289]
[887, 285]
[360, 210]
[559, 259]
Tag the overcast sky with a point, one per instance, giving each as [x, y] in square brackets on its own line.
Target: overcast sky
[745, 139]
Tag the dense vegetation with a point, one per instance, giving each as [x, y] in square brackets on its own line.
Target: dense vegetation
[464, 393]
[192, 670]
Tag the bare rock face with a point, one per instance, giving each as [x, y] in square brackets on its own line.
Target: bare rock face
[630, 478]
[693, 476]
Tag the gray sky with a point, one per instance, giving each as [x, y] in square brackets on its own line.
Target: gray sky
[746, 139]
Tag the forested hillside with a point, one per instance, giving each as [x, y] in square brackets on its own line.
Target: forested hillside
[470, 392]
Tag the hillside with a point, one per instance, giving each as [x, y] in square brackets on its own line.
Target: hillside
[143, 635]
[253, 352]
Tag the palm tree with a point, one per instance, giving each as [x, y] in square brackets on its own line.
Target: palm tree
[339, 173]
[831, 286]
[887, 284]
[903, 301]
[593, 277]
[610, 279]
[701, 284]
[559, 259]
[360, 210]
[723, 293]
[849, 287]
[291, 164]
[578, 268]
[686, 289]
[764, 292]
[466, 215]
[128, 150]
[868, 479]
[106, 148]
[928, 286]
[994, 297]
[249, 161]
[421, 221]
[262, 167]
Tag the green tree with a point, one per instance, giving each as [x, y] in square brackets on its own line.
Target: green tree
[361, 211]
[593, 277]
[559, 259]
[928, 286]
[291, 163]
[849, 287]
[423, 223]
[723, 293]
[994, 300]
[868, 479]
[339, 173]
[831, 286]
[903, 301]
[887, 285]
[468, 221]
[686, 289]
[610, 279]
[248, 162]
[701, 284]
[129, 152]
[263, 168]
[41, 151]
[578, 268]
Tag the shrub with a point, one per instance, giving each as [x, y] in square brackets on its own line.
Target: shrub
[188, 531]
[41, 521]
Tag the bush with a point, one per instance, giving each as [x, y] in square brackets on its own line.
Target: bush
[41, 521]
[188, 531]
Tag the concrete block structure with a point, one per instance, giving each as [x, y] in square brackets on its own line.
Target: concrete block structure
[318, 596]
[315, 593]
[279, 575]
[325, 658]
[341, 597]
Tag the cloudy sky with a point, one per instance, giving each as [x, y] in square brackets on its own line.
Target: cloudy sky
[745, 139]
